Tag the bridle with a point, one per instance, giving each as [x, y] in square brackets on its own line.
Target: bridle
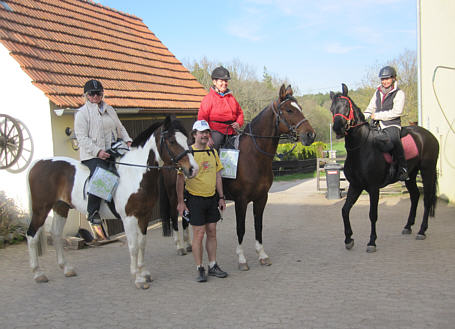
[174, 158]
[350, 118]
[292, 129]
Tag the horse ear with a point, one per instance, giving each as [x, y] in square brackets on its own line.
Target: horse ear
[167, 122]
[332, 94]
[345, 89]
[289, 90]
[282, 93]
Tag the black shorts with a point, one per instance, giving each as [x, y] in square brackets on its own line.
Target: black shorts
[203, 210]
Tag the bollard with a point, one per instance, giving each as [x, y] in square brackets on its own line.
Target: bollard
[332, 174]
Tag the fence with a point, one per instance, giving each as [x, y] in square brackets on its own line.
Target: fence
[288, 167]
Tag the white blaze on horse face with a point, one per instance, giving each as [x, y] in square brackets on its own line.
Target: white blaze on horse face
[296, 106]
[182, 140]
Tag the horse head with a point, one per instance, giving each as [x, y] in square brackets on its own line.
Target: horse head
[290, 118]
[346, 114]
[173, 147]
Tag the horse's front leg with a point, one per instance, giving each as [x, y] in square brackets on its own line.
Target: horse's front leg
[258, 211]
[240, 212]
[351, 198]
[135, 243]
[58, 223]
[374, 199]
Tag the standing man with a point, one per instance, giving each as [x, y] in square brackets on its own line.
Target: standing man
[201, 200]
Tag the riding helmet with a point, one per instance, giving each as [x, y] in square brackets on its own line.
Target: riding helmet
[387, 72]
[221, 73]
[93, 85]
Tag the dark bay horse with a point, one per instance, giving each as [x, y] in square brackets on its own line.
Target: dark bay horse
[366, 168]
[58, 184]
[257, 145]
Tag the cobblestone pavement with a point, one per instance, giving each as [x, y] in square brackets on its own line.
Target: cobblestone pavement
[314, 281]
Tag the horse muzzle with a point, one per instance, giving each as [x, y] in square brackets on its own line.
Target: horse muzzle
[307, 138]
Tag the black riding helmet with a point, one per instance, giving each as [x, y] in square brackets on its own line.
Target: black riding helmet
[220, 73]
[387, 72]
[93, 85]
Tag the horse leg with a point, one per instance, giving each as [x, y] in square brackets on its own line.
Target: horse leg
[35, 233]
[351, 198]
[131, 226]
[414, 194]
[374, 199]
[175, 234]
[58, 223]
[258, 211]
[240, 212]
[429, 178]
[186, 236]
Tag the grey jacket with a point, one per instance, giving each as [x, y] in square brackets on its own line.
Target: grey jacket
[89, 132]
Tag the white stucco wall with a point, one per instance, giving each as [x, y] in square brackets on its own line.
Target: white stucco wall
[22, 100]
[437, 48]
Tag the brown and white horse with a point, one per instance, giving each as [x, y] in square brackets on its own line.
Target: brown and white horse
[58, 184]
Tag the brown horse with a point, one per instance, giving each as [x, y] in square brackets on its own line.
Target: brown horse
[58, 184]
[257, 145]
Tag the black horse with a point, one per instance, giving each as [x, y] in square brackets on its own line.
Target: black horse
[366, 169]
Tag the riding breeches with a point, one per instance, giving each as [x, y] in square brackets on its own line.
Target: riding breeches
[398, 152]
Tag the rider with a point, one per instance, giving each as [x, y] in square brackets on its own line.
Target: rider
[220, 109]
[386, 106]
[96, 126]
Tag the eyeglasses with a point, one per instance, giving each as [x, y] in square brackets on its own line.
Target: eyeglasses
[95, 93]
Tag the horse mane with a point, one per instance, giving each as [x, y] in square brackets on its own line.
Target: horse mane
[144, 136]
[257, 117]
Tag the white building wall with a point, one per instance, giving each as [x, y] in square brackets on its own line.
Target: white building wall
[437, 48]
[22, 100]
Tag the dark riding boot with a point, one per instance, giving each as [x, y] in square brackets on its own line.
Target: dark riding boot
[398, 152]
[93, 206]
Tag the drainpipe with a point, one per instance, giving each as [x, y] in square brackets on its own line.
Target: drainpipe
[419, 68]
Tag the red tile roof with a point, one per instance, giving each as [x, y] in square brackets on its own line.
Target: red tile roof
[62, 44]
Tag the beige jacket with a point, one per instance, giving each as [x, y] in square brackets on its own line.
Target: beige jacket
[88, 128]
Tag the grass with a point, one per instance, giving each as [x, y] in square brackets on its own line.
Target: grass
[292, 177]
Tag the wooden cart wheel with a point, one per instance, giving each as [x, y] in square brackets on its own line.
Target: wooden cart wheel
[11, 141]
[26, 156]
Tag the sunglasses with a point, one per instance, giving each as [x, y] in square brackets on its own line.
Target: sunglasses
[95, 93]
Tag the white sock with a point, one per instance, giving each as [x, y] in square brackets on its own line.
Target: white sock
[211, 264]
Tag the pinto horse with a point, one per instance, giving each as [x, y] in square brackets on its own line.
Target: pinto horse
[258, 143]
[58, 184]
[366, 168]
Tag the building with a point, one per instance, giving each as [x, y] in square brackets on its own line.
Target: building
[49, 49]
[436, 61]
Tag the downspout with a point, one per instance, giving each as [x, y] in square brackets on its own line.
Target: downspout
[419, 68]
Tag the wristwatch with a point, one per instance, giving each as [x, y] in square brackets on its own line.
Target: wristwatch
[222, 197]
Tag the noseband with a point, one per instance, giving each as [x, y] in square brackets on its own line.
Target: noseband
[350, 118]
[174, 158]
[292, 130]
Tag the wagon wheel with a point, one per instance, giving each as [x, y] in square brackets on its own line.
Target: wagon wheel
[26, 155]
[11, 141]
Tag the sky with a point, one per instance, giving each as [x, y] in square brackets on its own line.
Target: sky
[314, 45]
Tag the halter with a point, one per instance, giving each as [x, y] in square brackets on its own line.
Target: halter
[350, 118]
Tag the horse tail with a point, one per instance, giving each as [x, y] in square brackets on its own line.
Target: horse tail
[433, 197]
[42, 238]
[164, 208]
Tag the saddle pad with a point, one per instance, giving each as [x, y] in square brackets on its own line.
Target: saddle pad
[409, 147]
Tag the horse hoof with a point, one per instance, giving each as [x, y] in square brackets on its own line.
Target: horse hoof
[265, 261]
[243, 267]
[406, 231]
[189, 249]
[181, 252]
[70, 273]
[148, 278]
[349, 245]
[371, 248]
[421, 237]
[41, 279]
[142, 285]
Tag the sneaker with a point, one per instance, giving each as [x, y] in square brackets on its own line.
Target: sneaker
[202, 277]
[95, 218]
[217, 271]
[403, 174]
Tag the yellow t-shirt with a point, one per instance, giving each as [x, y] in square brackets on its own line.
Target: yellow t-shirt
[204, 184]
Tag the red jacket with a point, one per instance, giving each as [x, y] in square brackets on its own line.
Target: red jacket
[215, 107]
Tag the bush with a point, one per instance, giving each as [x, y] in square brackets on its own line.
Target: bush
[12, 220]
[300, 152]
